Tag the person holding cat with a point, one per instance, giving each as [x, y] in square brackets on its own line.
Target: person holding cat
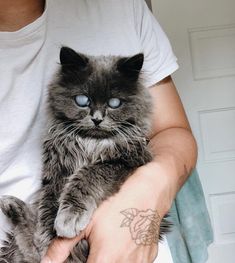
[31, 34]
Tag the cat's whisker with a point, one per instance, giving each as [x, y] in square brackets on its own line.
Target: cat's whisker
[133, 139]
[126, 123]
[124, 138]
[134, 134]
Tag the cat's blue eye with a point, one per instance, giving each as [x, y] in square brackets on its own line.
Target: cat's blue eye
[82, 101]
[114, 103]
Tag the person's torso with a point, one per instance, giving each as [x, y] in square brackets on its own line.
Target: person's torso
[28, 60]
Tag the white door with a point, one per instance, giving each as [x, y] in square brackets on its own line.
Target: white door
[202, 34]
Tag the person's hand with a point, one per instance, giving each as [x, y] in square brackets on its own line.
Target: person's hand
[125, 227]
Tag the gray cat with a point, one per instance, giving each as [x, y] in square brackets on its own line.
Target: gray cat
[99, 117]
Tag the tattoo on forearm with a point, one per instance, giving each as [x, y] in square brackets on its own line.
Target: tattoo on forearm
[143, 225]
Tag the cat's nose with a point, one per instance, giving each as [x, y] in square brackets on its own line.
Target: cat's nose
[97, 117]
[96, 121]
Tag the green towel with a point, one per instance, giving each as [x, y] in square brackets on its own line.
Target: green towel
[192, 232]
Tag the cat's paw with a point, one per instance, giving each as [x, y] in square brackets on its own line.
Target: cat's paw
[69, 223]
[13, 208]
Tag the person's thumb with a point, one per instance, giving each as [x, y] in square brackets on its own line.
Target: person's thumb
[60, 249]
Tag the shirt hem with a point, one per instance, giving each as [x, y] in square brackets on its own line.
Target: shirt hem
[160, 76]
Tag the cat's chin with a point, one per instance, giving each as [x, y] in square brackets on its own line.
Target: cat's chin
[96, 133]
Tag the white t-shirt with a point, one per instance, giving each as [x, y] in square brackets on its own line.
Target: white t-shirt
[29, 58]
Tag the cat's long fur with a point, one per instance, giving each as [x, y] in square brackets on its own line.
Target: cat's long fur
[83, 163]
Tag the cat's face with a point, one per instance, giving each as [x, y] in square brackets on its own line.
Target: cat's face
[100, 97]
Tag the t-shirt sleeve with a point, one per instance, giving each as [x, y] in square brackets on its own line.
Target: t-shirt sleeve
[160, 60]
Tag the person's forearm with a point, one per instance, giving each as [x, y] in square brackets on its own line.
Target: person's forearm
[175, 150]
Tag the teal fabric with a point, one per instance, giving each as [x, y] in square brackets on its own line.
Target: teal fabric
[192, 231]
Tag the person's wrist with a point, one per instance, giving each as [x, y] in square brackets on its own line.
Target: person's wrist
[159, 179]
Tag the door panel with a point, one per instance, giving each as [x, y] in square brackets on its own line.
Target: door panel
[202, 34]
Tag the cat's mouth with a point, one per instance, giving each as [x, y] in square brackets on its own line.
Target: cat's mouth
[96, 132]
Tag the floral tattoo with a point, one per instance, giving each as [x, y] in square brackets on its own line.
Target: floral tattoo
[143, 225]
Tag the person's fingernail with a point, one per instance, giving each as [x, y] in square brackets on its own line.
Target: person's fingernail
[46, 260]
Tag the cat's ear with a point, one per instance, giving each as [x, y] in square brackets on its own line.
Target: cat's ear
[131, 66]
[70, 58]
